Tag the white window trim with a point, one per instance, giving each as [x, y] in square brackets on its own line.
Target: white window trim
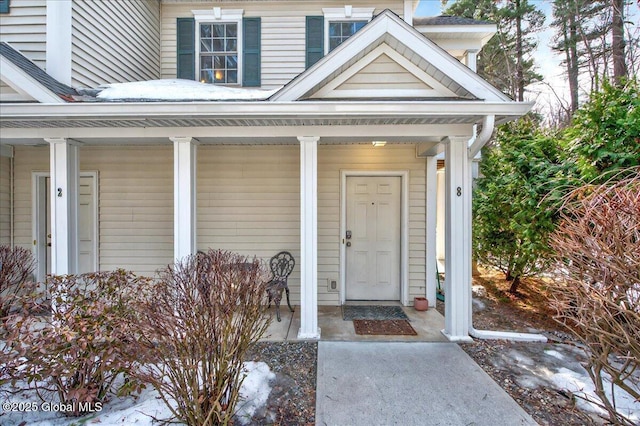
[218, 15]
[346, 13]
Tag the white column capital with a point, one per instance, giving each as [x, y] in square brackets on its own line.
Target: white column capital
[56, 140]
[308, 138]
[183, 139]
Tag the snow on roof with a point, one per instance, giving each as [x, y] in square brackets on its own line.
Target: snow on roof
[179, 90]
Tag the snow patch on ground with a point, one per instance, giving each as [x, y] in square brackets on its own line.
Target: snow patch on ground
[144, 410]
[179, 90]
[560, 369]
[580, 384]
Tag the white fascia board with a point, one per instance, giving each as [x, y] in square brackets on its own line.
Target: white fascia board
[23, 83]
[323, 109]
[259, 133]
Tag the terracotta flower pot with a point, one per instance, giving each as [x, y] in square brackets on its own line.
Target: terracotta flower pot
[420, 304]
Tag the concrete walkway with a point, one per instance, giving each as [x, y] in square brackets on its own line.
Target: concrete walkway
[395, 383]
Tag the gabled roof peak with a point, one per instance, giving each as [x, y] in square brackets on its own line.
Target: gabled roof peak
[389, 29]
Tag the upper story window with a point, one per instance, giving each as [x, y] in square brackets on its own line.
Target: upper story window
[219, 45]
[219, 53]
[341, 23]
[339, 31]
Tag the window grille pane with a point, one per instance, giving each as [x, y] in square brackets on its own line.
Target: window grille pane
[205, 45]
[205, 31]
[231, 30]
[232, 76]
[218, 30]
[232, 62]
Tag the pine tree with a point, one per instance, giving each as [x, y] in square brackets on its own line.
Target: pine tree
[506, 60]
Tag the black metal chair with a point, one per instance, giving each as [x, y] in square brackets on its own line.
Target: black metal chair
[281, 267]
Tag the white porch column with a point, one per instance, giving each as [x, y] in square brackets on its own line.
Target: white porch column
[431, 225]
[457, 241]
[308, 238]
[184, 196]
[64, 173]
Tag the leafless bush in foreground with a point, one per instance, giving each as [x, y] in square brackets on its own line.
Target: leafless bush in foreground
[79, 350]
[16, 266]
[597, 295]
[204, 314]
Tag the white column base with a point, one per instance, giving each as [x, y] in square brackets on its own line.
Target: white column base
[302, 335]
[457, 339]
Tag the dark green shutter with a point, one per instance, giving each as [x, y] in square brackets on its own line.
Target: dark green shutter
[186, 60]
[314, 39]
[4, 6]
[251, 52]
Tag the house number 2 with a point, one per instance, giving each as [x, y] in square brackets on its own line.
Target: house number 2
[458, 191]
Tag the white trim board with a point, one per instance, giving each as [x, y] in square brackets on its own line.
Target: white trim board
[404, 228]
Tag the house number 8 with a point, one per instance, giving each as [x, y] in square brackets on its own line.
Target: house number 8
[459, 191]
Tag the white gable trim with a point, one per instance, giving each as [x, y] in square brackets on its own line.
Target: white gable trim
[388, 23]
[438, 89]
[25, 84]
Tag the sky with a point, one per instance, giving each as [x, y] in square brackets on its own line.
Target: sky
[548, 62]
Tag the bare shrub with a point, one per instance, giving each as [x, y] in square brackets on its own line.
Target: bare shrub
[16, 266]
[598, 294]
[204, 314]
[80, 349]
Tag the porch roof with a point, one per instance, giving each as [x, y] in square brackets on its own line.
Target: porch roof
[249, 122]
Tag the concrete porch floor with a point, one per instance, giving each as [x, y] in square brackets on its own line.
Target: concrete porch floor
[333, 328]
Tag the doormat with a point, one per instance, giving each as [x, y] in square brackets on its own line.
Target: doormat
[372, 312]
[384, 327]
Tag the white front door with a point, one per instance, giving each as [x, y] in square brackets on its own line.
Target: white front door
[373, 238]
[87, 219]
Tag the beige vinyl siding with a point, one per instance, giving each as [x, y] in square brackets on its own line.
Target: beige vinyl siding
[334, 158]
[25, 29]
[26, 160]
[135, 199]
[5, 200]
[283, 32]
[384, 73]
[115, 41]
[249, 202]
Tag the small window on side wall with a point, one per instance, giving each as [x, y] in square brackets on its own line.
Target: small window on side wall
[4, 6]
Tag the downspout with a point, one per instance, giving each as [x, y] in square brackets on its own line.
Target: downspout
[488, 125]
[11, 197]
